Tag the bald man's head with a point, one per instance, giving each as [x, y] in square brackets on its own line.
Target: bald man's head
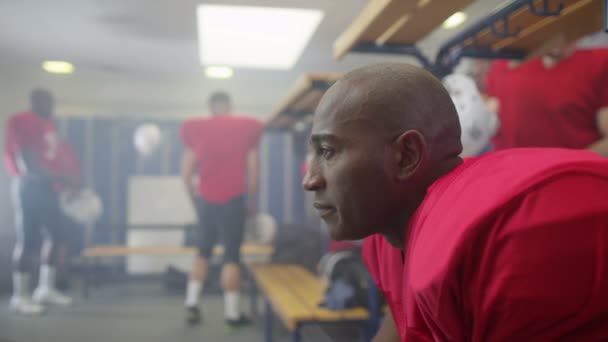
[394, 98]
[381, 135]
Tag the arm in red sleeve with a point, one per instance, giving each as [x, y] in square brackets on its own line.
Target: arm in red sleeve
[543, 272]
[185, 134]
[11, 147]
[255, 133]
[601, 146]
[19, 156]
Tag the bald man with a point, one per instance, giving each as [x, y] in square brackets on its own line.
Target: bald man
[480, 249]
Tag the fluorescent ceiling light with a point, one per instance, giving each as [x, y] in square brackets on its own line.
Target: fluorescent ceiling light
[218, 72]
[454, 20]
[254, 37]
[58, 67]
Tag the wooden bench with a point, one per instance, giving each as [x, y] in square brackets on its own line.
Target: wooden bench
[293, 294]
[119, 250]
[93, 254]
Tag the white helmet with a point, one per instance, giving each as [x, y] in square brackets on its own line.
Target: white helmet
[477, 123]
[262, 228]
[147, 138]
[84, 206]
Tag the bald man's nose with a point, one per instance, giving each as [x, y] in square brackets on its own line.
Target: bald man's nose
[313, 181]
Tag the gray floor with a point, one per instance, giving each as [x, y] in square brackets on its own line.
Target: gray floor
[132, 313]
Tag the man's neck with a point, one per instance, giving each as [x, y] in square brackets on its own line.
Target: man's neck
[48, 117]
[396, 235]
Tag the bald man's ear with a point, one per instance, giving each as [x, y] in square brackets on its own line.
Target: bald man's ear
[410, 151]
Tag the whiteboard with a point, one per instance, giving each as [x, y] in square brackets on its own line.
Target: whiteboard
[148, 264]
[159, 200]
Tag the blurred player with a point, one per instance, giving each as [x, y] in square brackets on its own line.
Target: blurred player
[31, 157]
[557, 100]
[222, 150]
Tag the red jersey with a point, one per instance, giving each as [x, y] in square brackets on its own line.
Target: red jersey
[221, 145]
[29, 131]
[66, 164]
[500, 252]
[68, 161]
[550, 107]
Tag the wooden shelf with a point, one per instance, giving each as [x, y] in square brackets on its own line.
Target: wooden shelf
[538, 33]
[396, 22]
[517, 30]
[301, 100]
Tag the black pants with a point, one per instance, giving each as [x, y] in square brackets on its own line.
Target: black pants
[225, 221]
[37, 211]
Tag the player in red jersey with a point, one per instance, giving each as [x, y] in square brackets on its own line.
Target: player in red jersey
[557, 100]
[222, 151]
[510, 246]
[31, 157]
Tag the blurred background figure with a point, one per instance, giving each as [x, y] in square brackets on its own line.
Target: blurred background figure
[32, 156]
[222, 152]
[557, 100]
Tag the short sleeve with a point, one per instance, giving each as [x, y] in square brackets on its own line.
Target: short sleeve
[186, 133]
[71, 160]
[13, 144]
[14, 137]
[256, 129]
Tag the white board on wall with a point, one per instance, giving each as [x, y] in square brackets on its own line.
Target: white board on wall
[147, 264]
[159, 201]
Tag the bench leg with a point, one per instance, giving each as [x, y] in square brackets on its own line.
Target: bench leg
[268, 330]
[254, 300]
[297, 334]
[86, 279]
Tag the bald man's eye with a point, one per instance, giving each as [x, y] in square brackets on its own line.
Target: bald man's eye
[326, 152]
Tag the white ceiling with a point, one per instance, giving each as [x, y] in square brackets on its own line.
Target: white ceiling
[139, 57]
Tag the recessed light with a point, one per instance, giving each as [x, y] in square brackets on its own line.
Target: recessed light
[454, 20]
[58, 67]
[218, 72]
[254, 37]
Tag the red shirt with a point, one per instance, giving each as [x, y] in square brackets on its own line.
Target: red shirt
[499, 252]
[221, 145]
[29, 131]
[67, 163]
[550, 107]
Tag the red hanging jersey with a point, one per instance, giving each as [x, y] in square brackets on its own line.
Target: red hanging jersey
[550, 107]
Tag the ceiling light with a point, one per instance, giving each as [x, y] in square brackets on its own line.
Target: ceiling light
[218, 72]
[254, 37]
[454, 20]
[58, 67]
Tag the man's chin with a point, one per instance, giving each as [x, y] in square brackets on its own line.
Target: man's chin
[334, 232]
[340, 234]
